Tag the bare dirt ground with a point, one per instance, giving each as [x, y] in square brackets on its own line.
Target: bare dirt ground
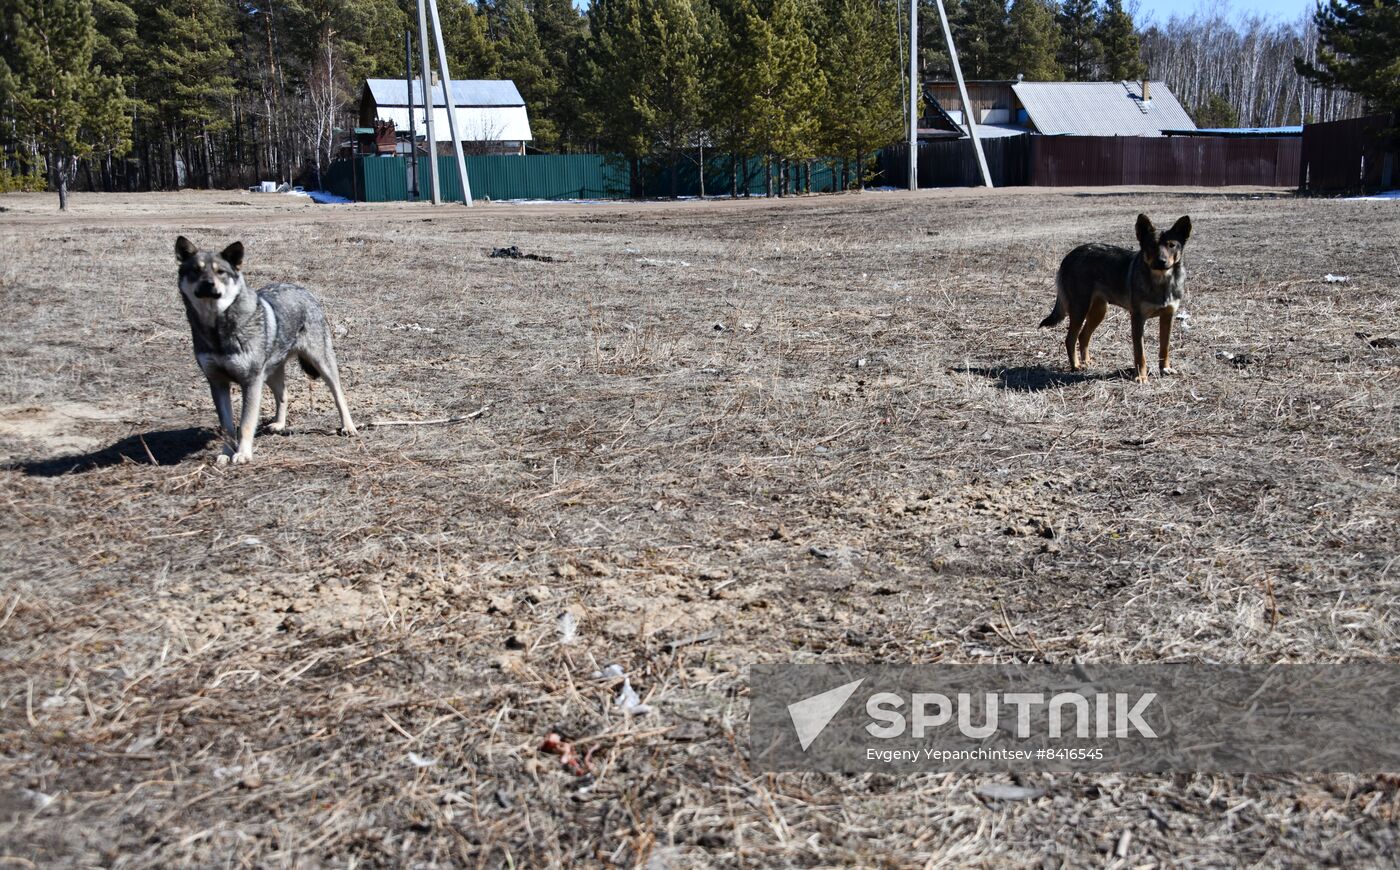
[715, 434]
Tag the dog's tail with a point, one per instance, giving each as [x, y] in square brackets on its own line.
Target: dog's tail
[1057, 314]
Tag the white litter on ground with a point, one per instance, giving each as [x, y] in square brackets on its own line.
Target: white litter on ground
[568, 627]
[630, 701]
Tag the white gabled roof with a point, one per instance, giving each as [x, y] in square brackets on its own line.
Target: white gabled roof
[488, 110]
[465, 92]
[1101, 108]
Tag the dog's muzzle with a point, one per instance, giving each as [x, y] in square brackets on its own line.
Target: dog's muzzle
[206, 290]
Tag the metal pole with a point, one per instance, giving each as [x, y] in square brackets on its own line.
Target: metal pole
[434, 182]
[914, 89]
[412, 128]
[962, 92]
[451, 109]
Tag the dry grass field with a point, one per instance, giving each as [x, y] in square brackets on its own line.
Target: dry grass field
[712, 434]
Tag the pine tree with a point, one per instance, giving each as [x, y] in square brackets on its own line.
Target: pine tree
[117, 33]
[561, 28]
[863, 110]
[786, 82]
[1034, 41]
[115, 24]
[731, 52]
[1216, 112]
[1357, 50]
[980, 33]
[669, 100]
[523, 61]
[612, 68]
[471, 53]
[1122, 51]
[1080, 52]
[563, 32]
[54, 92]
[189, 79]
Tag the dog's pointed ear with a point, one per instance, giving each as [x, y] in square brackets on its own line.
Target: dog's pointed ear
[1146, 232]
[1181, 230]
[233, 254]
[184, 249]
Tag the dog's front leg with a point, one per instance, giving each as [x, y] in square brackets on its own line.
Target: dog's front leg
[223, 406]
[1139, 356]
[252, 405]
[1164, 344]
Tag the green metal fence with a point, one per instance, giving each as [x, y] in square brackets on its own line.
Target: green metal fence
[542, 176]
[569, 176]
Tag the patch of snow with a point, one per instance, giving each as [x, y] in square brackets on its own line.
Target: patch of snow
[325, 197]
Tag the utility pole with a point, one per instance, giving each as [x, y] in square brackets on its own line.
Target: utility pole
[914, 88]
[433, 180]
[962, 92]
[412, 127]
[447, 100]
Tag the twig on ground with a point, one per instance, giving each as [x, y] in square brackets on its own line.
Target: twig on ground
[674, 645]
[375, 424]
[146, 447]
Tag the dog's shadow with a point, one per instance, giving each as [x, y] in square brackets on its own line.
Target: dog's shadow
[166, 447]
[1034, 379]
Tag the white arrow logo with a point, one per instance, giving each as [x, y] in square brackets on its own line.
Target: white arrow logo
[810, 716]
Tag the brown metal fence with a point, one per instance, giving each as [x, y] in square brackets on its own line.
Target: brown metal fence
[1205, 161]
[1347, 156]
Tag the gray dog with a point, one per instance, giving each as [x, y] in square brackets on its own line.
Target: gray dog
[245, 338]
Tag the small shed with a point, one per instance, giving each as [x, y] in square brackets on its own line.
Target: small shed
[1008, 108]
[491, 114]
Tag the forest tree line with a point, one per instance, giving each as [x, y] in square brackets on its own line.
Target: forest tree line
[155, 94]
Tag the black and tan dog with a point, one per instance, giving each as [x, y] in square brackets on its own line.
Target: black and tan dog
[1148, 282]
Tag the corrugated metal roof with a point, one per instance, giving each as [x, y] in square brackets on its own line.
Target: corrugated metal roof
[1101, 108]
[474, 123]
[465, 92]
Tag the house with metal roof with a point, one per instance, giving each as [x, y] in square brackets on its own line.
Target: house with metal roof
[491, 114]
[1013, 108]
